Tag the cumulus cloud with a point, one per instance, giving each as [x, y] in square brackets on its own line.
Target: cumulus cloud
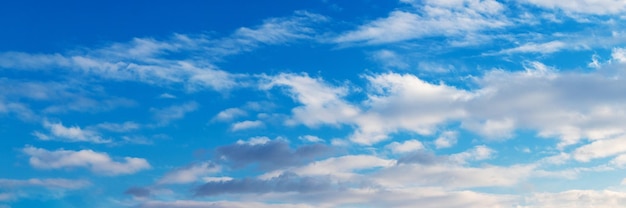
[600, 149]
[322, 103]
[406, 146]
[242, 125]
[96, 162]
[480, 152]
[60, 132]
[446, 139]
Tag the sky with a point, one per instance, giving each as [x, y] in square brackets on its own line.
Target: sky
[313, 103]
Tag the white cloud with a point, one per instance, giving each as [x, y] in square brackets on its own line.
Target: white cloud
[576, 199]
[152, 61]
[69, 134]
[543, 48]
[229, 114]
[480, 152]
[255, 141]
[189, 174]
[619, 55]
[451, 176]
[310, 138]
[322, 104]
[405, 102]
[341, 167]
[242, 125]
[99, 163]
[435, 18]
[600, 149]
[599, 7]
[405, 147]
[446, 139]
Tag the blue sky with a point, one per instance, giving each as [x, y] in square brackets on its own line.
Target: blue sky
[316, 103]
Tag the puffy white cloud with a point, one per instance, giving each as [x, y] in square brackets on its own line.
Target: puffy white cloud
[189, 174]
[619, 55]
[434, 18]
[242, 125]
[322, 104]
[480, 152]
[69, 134]
[405, 102]
[96, 162]
[229, 114]
[446, 139]
[600, 149]
[406, 146]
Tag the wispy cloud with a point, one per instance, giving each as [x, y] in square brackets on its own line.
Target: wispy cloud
[60, 132]
[597, 7]
[96, 162]
[189, 174]
[432, 18]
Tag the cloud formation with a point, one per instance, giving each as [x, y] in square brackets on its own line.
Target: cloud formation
[96, 162]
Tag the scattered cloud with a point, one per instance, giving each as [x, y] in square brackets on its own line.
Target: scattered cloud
[407, 146]
[242, 125]
[433, 18]
[96, 162]
[596, 7]
[229, 114]
[189, 174]
[446, 139]
[59, 132]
